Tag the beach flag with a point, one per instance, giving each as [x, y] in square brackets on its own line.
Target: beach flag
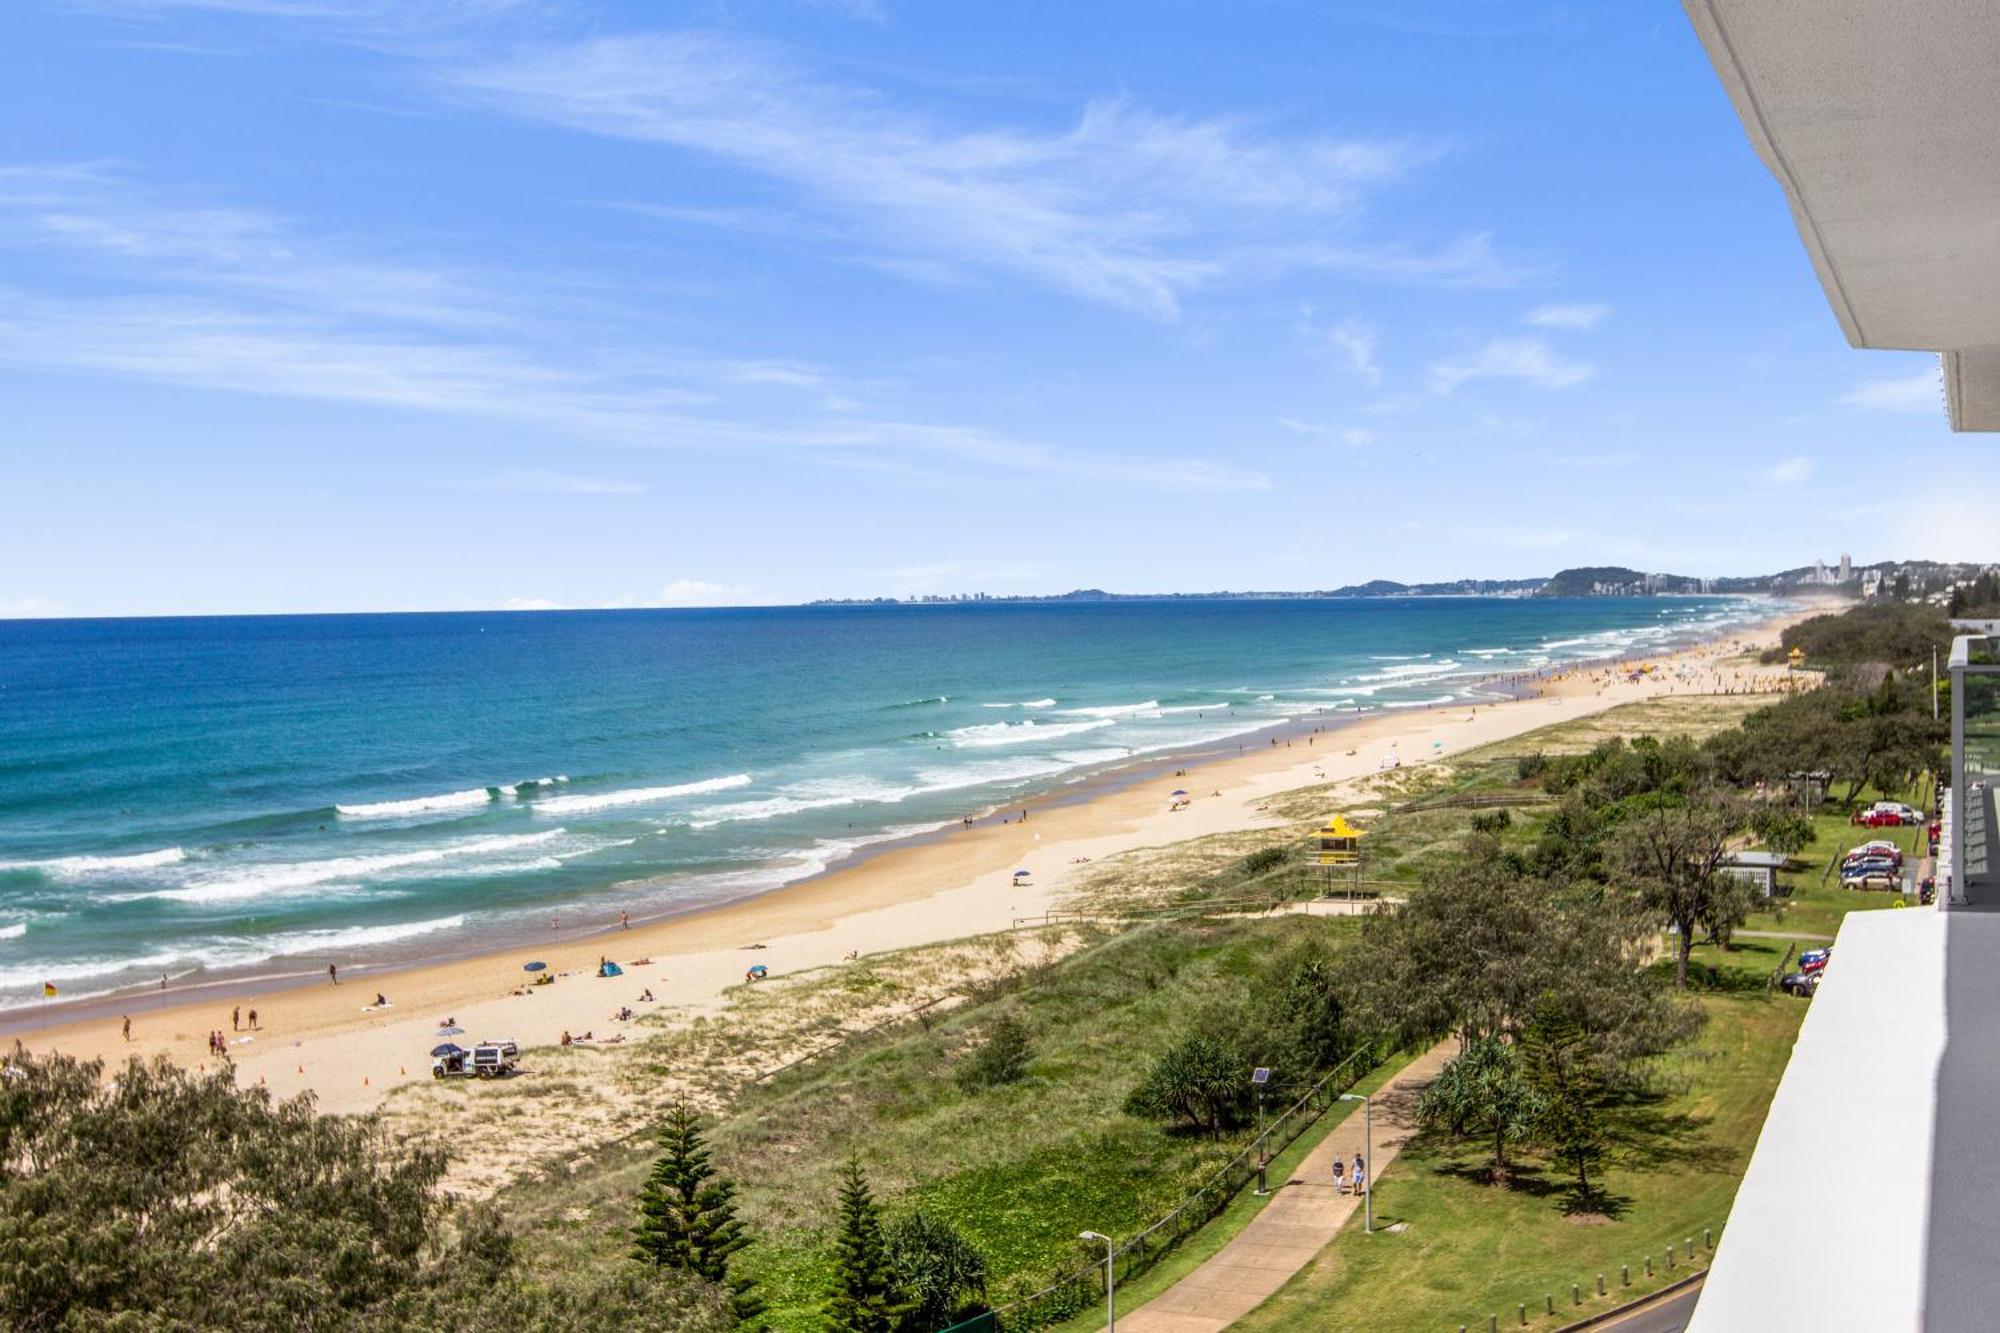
[48, 990]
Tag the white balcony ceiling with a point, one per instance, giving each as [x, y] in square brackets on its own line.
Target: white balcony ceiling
[1881, 120]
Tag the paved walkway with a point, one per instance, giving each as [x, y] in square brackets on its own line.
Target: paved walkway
[1302, 1215]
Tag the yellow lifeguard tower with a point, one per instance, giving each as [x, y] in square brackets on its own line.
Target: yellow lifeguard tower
[1338, 844]
[1795, 659]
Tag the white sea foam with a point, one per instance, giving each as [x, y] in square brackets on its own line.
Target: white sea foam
[14, 932]
[1020, 733]
[818, 794]
[1024, 703]
[283, 877]
[1490, 652]
[1117, 710]
[583, 803]
[1422, 703]
[416, 805]
[533, 785]
[1414, 671]
[85, 867]
[1398, 657]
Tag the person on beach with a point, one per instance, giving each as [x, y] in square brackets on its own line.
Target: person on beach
[624, 921]
[567, 1039]
[126, 1024]
[381, 1000]
[333, 973]
[236, 1019]
[1339, 1175]
[253, 1020]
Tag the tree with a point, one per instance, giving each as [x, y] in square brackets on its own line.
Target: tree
[1201, 1079]
[1782, 829]
[867, 1297]
[943, 1273]
[1002, 1058]
[1480, 941]
[1569, 1086]
[164, 1199]
[688, 1216]
[1483, 1088]
[1671, 856]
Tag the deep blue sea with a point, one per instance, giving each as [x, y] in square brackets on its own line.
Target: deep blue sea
[269, 793]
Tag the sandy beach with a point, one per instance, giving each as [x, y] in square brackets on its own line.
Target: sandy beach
[332, 1040]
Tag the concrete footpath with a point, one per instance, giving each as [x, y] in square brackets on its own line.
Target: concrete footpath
[1303, 1214]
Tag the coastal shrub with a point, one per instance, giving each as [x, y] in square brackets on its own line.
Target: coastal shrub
[1265, 858]
[1000, 1059]
[1531, 766]
[941, 1273]
[1482, 1090]
[169, 1199]
[1493, 823]
[1900, 634]
[1202, 1081]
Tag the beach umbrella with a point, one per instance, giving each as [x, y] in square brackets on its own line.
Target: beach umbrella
[439, 1052]
[533, 967]
[1179, 791]
[450, 1030]
[1020, 874]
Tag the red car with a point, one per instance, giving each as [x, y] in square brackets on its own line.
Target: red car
[1877, 819]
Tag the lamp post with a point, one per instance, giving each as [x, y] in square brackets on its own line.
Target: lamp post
[1260, 1078]
[1110, 1278]
[1368, 1171]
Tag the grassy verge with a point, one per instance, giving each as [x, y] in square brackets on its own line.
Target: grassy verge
[1019, 1170]
[1451, 1249]
[1191, 1254]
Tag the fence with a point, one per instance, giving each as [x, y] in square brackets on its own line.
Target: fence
[1079, 1290]
[1680, 1263]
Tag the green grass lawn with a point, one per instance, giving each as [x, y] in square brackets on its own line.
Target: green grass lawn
[1451, 1249]
[1816, 901]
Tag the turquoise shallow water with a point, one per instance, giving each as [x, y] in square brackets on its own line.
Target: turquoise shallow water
[193, 796]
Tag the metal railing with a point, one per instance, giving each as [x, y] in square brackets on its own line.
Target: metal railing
[1078, 1290]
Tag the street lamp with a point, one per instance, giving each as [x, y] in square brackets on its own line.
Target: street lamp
[1110, 1278]
[1368, 1171]
[1260, 1078]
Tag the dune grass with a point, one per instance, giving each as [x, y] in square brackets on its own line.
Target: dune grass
[1020, 1170]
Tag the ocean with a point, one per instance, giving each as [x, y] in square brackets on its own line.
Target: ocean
[196, 797]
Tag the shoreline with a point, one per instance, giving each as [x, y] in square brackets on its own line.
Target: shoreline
[950, 884]
[304, 970]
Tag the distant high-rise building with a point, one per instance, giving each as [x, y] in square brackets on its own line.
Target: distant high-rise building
[1819, 571]
[1846, 567]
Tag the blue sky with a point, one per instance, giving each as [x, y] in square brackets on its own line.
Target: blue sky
[313, 305]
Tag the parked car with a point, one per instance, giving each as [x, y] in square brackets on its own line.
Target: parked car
[1812, 960]
[1869, 865]
[1875, 879]
[1878, 819]
[1801, 984]
[1906, 814]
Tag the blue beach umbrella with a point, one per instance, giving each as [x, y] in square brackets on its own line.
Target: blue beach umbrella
[449, 1030]
[533, 967]
[439, 1052]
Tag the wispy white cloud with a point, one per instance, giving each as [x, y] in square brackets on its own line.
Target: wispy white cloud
[1122, 205]
[1355, 436]
[1921, 392]
[1359, 437]
[1530, 360]
[1353, 340]
[1580, 316]
[530, 604]
[236, 302]
[28, 608]
[699, 592]
[1791, 471]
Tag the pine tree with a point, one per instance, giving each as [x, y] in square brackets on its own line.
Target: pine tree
[867, 1298]
[688, 1217]
[1569, 1082]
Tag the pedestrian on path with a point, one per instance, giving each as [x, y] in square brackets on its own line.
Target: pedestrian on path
[1339, 1174]
[1360, 1175]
